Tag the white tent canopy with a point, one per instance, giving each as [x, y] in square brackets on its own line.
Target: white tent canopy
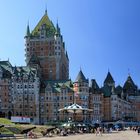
[75, 108]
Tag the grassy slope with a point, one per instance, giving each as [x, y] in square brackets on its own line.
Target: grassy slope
[5, 121]
[11, 128]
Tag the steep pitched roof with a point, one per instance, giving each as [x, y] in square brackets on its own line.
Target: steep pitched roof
[49, 27]
[67, 55]
[24, 70]
[129, 83]
[57, 32]
[6, 65]
[118, 90]
[34, 60]
[57, 85]
[109, 78]
[80, 77]
[28, 31]
[106, 90]
[94, 86]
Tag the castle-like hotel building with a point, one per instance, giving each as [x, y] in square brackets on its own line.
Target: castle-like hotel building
[39, 89]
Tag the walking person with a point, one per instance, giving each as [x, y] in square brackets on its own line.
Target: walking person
[97, 131]
[100, 131]
[138, 130]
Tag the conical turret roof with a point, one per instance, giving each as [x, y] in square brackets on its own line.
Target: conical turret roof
[129, 83]
[67, 55]
[28, 30]
[94, 86]
[49, 27]
[57, 32]
[109, 79]
[80, 76]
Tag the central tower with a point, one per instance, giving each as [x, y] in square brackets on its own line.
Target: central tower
[45, 49]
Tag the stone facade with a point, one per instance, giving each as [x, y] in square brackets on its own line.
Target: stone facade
[45, 47]
[25, 93]
[42, 87]
[81, 94]
[5, 89]
[96, 102]
[56, 95]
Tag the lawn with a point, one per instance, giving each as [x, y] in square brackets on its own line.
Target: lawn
[12, 128]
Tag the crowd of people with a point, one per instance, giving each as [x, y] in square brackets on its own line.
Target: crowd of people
[136, 128]
[98, 131]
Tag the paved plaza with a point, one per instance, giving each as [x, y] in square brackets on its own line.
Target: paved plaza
[122, 135]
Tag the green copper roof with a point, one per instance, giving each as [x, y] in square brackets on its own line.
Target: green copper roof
[34, 60]
[49, 27]
[28, 30]
[106, 90]
[57, 32]
[24, 70]
[118, 90]
[109, 78]
[6, 68]
[129, 84]
[67, 55]
[94, 86]
[80, 77]
[6, 65]
[57, 85]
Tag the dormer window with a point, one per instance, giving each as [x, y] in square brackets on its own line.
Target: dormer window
[44, 26]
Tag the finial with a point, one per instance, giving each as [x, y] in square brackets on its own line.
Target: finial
[128, 72]
[28, 29]
[46, 9]
[57, 28]
[108, 70]
[57, 22]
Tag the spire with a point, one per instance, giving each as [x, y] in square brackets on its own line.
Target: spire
[46, 24]
[67, 55]
[128, 72]
[28, 30]
[80, 77]
[57, 29]
[109, 80]
[94, 86]
[64, 45]
[129, 83]
[46, 12]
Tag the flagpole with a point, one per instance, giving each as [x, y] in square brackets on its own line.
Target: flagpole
[74, 98]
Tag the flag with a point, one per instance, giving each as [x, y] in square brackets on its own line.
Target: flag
[76, 94]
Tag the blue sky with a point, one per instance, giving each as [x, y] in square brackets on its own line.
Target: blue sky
[99, 34]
